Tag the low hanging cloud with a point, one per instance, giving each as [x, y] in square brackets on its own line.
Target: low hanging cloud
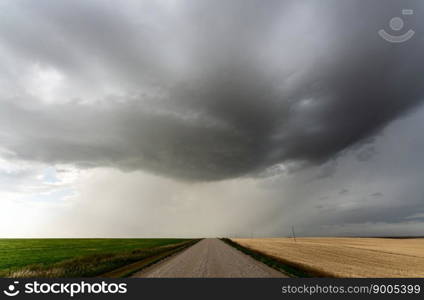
[198, 90]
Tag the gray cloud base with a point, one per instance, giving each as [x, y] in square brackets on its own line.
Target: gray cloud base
[205, 91]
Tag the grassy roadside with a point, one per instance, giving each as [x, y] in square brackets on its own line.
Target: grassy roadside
[19, 253]
[289, 270]
[94, 264]
[128, 270]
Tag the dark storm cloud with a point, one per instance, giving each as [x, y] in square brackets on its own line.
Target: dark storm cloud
[201, 90]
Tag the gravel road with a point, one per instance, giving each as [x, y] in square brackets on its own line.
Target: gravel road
[209, 258]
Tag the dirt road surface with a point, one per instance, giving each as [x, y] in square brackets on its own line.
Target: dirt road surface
[209, 258]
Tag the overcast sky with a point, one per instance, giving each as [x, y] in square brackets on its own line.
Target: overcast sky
[210, 118]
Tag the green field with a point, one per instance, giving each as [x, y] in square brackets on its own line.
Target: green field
[16, 254]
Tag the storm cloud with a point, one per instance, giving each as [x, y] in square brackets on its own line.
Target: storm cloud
[200, 90]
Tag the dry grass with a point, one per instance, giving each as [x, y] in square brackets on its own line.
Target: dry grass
[346, 257]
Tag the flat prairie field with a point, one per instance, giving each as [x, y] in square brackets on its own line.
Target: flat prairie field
[76, 257]
[346, 257]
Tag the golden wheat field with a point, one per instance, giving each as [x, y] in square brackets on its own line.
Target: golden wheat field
[346, 257]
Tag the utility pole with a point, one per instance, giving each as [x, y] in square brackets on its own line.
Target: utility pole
[294, 235]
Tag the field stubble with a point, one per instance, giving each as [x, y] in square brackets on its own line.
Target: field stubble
[346, 257]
